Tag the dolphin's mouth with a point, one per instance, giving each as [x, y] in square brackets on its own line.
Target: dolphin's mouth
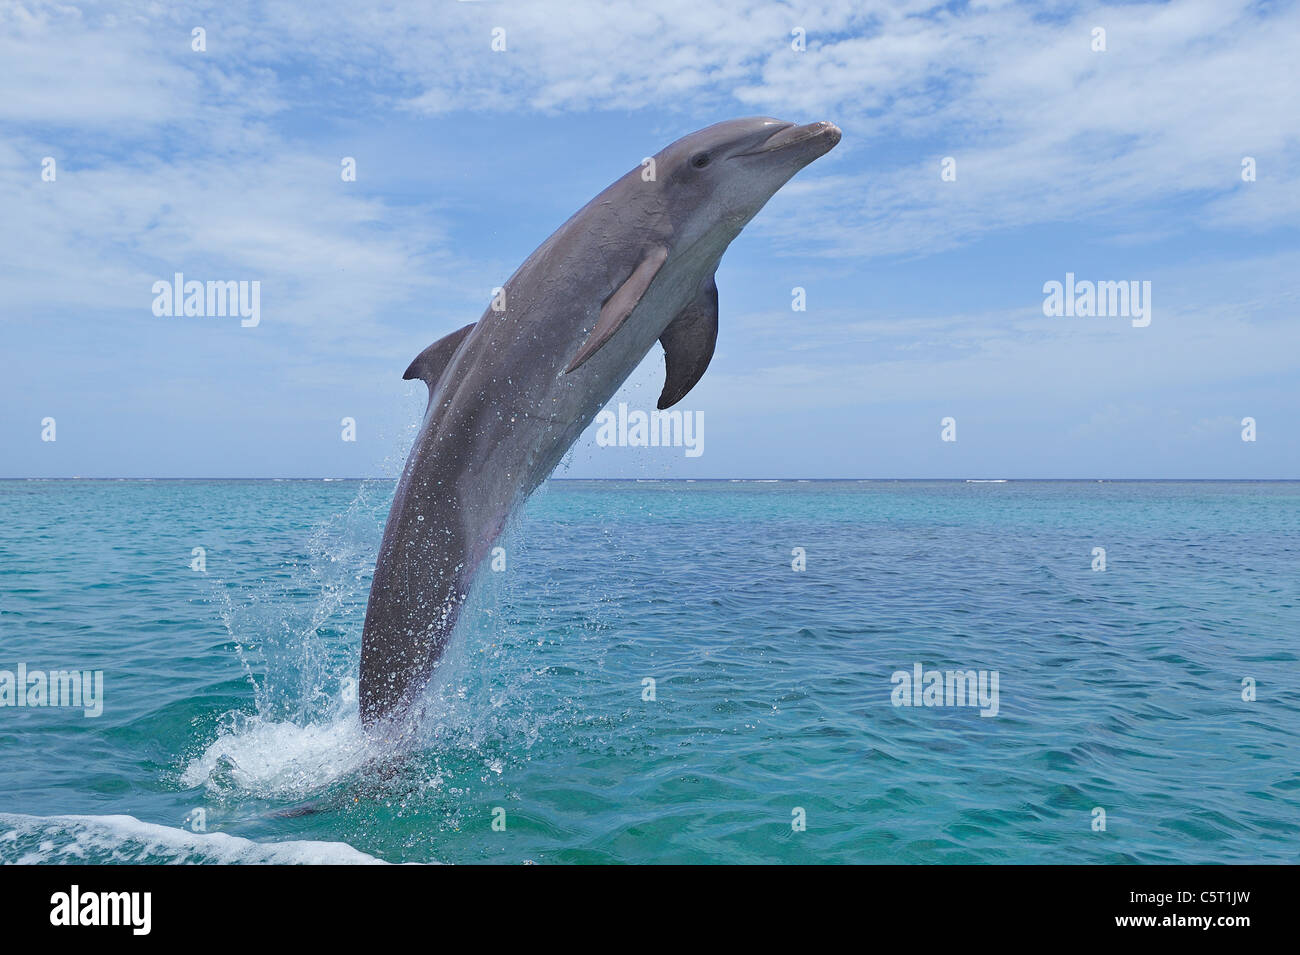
[791, 135]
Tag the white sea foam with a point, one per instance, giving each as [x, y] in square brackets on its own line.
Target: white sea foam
[30, 840]
[280, 759]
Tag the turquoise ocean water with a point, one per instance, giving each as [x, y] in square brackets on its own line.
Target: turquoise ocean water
[228, 691]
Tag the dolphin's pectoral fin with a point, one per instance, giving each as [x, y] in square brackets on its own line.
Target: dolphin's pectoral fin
[619, 305]
[432, 362]
[688, 345]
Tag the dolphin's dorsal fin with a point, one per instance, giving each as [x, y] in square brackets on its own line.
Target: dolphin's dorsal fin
[619, 305]
[432, 362]
[688, 344]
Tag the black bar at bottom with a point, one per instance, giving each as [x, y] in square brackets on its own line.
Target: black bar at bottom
[328, 903]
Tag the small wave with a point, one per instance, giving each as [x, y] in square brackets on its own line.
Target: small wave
[31, 840]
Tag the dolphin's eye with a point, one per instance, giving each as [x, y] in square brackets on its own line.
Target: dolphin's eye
[700, 160]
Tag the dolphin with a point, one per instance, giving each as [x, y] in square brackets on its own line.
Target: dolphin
[510, 393]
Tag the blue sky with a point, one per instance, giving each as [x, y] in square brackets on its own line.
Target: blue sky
[924, 296]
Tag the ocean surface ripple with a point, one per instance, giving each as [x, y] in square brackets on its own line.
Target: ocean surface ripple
[230, 696]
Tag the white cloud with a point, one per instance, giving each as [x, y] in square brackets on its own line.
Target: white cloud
[1042, 128]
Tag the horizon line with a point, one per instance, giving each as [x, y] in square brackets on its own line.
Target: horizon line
[688, 480]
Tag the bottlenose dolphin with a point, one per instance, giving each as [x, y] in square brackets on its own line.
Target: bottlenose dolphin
[510, 393]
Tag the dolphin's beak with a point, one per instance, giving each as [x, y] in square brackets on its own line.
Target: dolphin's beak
[819, 139]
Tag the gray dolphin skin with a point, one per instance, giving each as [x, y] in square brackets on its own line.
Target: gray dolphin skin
[509, 394]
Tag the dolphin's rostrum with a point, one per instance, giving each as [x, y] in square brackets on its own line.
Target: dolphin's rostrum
[509, 394]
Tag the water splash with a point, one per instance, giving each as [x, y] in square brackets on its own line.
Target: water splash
[297, 637]
[296, 634]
